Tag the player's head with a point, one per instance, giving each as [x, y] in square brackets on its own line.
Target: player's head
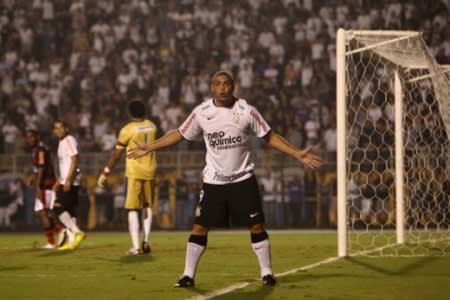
[222, 86]
[136, 109]
[32, 137]
[60, 129]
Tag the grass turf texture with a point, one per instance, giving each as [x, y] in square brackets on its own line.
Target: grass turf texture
[99, 269]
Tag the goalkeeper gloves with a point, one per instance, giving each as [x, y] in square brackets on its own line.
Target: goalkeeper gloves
[101, 180]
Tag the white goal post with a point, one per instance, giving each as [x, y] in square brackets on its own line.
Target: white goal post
[393, 149]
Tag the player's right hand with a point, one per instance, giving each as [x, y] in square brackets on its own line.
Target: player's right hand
[102, 178]
[308, 159]
[101, 181]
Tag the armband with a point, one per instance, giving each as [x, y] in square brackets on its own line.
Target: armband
[106, 171]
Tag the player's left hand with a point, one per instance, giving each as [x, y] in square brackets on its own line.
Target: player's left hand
[308, 159]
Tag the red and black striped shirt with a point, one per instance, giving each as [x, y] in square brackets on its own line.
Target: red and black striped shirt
[48, 177]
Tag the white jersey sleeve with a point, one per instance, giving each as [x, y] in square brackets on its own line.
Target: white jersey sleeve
[258, 125]
[191, 129]
[71, 146]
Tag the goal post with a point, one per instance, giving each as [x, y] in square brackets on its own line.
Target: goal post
[393, 149]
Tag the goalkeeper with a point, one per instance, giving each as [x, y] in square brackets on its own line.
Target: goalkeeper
[139, 174]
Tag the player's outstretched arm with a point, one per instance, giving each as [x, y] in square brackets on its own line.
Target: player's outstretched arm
[303, 156]
[171, 138]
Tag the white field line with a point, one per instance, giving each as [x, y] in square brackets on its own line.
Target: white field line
[244, 284]
[241, 285]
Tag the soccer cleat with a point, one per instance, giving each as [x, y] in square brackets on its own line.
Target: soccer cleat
[134, 251]
[66, 247]
[62, 236]
[184, 282]
[146, 247]
[79, 237]
[48, 246]
[269, 280]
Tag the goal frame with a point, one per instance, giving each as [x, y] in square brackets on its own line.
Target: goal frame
[341, 119]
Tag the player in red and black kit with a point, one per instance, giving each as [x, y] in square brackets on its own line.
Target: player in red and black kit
[44, 179]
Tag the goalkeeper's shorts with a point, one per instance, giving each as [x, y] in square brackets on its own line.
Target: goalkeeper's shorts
[139, 193]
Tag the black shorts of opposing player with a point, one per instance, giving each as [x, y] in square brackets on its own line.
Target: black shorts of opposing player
[236, 204]
[66, 201]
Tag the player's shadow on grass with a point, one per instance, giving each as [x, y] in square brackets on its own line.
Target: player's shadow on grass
[8, 269]
[33, 250]
[131, 259]
[128, 259]
[55, 253]
[85, 249]
[402, 270]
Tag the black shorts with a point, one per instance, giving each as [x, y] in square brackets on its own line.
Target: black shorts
[69, 199]
[235, 204]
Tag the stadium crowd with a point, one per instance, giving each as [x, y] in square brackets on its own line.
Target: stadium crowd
[81, 61]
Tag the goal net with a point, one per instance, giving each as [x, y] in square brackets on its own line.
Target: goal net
[393, 112]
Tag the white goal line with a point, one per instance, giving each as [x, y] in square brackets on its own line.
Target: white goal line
[244, 284]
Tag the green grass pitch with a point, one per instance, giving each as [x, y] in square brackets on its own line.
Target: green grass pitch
[99, 269]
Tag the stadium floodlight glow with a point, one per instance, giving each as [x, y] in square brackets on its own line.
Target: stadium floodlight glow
[393, 148]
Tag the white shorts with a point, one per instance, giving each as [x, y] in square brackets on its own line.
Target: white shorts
[46, 201]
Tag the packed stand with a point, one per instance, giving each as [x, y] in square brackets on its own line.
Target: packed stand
[81, 60]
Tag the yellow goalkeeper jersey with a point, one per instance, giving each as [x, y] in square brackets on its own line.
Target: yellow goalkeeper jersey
[143, 132]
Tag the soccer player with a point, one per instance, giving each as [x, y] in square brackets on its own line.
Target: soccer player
[230, 189]
[68, 184]
[44, 179]
[140, 174]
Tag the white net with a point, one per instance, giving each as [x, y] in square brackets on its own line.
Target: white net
[372, 59]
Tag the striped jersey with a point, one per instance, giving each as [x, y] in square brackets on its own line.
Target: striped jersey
[226, 132]
[41, 153]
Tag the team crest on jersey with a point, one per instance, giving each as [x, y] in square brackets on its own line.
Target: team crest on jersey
[237, 117]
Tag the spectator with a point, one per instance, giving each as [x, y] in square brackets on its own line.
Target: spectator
[297, 214]
[109, 139]
[10, 133]
[330, 141]
[268, 186]
[57, 53]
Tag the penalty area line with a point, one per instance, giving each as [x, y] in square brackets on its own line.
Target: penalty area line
[244, 284]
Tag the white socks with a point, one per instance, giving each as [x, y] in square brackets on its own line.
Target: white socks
[133, 228]
[133, 225]
[147, 222]
[193, 253]
[262, 251]
[69, 222]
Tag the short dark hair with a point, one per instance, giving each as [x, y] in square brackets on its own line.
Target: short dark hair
[222, 72]
[60, 122]
[136, 108]
[33, 132]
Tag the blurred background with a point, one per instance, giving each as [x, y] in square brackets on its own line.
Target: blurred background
[82, 60]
